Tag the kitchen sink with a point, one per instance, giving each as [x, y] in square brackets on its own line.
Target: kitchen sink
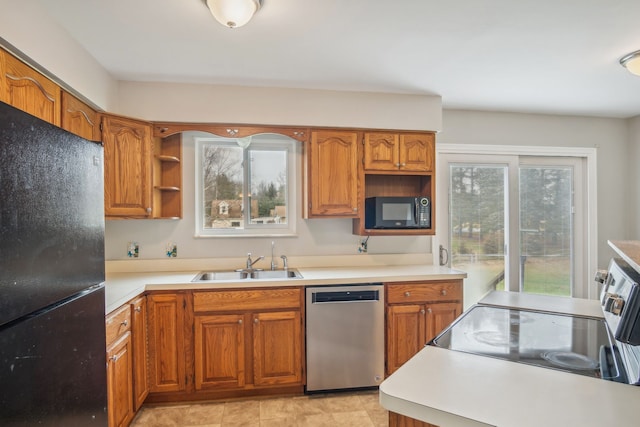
[252, 274]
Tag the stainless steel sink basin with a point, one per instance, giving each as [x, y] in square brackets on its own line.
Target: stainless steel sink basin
[252, 274]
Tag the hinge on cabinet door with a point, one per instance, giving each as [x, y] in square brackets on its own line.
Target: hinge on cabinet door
[101, 126]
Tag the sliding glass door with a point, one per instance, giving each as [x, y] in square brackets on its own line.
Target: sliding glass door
[511, 223]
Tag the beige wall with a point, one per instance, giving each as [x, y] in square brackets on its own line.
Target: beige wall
[278, 106]
[633, 178]
[25, 26]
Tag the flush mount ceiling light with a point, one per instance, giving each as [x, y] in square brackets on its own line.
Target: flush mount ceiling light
[632, 62]
[233, 13]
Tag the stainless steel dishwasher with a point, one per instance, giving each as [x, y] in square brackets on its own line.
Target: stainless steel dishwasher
[345, 336]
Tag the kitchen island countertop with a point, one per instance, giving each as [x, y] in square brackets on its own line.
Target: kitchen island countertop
[123, 286]
[456, 389]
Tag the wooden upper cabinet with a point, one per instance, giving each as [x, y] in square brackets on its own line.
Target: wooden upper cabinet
[127, 167]
[332, 162]
[381, 151]
[417, 152]
[398, 152]
[26, 89]
[79, 118]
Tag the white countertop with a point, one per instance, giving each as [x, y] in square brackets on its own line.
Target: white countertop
[551, 304]
[454, 389]
[122, 287]
[629, 250]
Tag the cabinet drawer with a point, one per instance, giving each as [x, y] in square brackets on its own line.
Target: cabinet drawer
[247, 299]
[118, 323]
[423, 292]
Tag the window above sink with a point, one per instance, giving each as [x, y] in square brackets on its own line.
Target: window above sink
[246, 185]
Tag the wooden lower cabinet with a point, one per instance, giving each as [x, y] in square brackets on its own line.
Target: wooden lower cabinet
[223, 357]
[140, 350]
[120, 382]
[219, 342]
[277, 348]
[119, 367]
[167, 345]
[397, 420]
[256, 342]
[416, 313]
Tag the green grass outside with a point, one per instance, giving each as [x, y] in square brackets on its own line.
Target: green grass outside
[543, 275]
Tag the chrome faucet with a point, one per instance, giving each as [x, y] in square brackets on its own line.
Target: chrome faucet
[250, 262]
[285, 266]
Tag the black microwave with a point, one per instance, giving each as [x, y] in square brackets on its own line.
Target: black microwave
[397, 212]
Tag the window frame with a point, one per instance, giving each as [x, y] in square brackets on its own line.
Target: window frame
[259, 142]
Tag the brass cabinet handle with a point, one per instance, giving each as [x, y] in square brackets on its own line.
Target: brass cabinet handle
[125, 323]
[407, 294]
[429, 311]
[422, 311]
[138, 309]
[443, 292]
[240, 321]
[255, 320]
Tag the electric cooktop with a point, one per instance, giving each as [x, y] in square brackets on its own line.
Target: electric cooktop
[580, 345]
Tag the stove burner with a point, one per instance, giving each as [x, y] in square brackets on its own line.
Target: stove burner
[570, 360]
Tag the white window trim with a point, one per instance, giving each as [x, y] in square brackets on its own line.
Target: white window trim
[272, 230]
[590, 154]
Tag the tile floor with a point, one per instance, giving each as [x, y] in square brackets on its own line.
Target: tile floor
[359, 409]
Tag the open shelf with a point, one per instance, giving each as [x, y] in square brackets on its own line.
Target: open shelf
[380, 185]
[167, 189]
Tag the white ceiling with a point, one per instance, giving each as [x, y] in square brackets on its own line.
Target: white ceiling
[545, 56]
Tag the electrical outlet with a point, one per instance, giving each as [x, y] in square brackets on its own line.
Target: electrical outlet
[172, 250]
[133, 250]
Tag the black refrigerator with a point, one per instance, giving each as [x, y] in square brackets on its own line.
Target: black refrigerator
[52, 301]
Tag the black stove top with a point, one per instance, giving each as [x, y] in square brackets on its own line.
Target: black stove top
[607, 348]
[568, 343]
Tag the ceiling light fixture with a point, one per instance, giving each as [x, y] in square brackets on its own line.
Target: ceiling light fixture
[233, 13]
[632, 62]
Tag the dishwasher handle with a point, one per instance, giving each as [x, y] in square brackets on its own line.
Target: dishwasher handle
[344, 296]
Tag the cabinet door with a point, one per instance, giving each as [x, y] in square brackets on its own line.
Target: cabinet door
[333, 174]
[167, 369]
[79, 118]
[127, 167]
[417, 152]
[397, 420]
[439, 316]
[140, 351]
[219, 351]
[405, 334]
[277, 348]
[381, 151]
[119, 382]
[24, 88]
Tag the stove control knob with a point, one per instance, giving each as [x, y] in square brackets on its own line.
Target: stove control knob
[613, 303]
[601, 276]
[608, 301]
[617, 306]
